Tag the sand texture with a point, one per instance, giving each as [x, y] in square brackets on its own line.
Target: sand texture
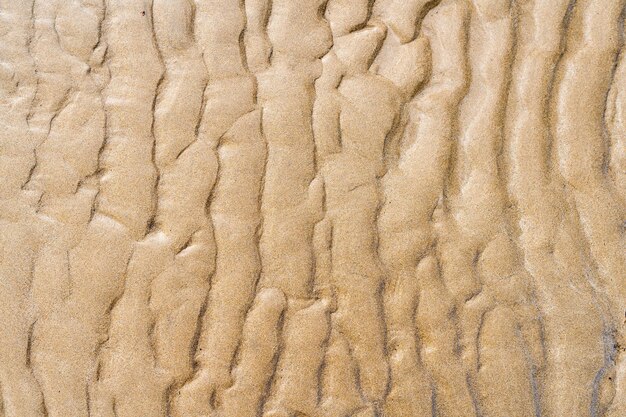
[312, 208]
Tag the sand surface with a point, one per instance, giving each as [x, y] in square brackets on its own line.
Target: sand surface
[312, 208]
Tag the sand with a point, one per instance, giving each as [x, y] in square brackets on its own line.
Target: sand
[312, 208]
